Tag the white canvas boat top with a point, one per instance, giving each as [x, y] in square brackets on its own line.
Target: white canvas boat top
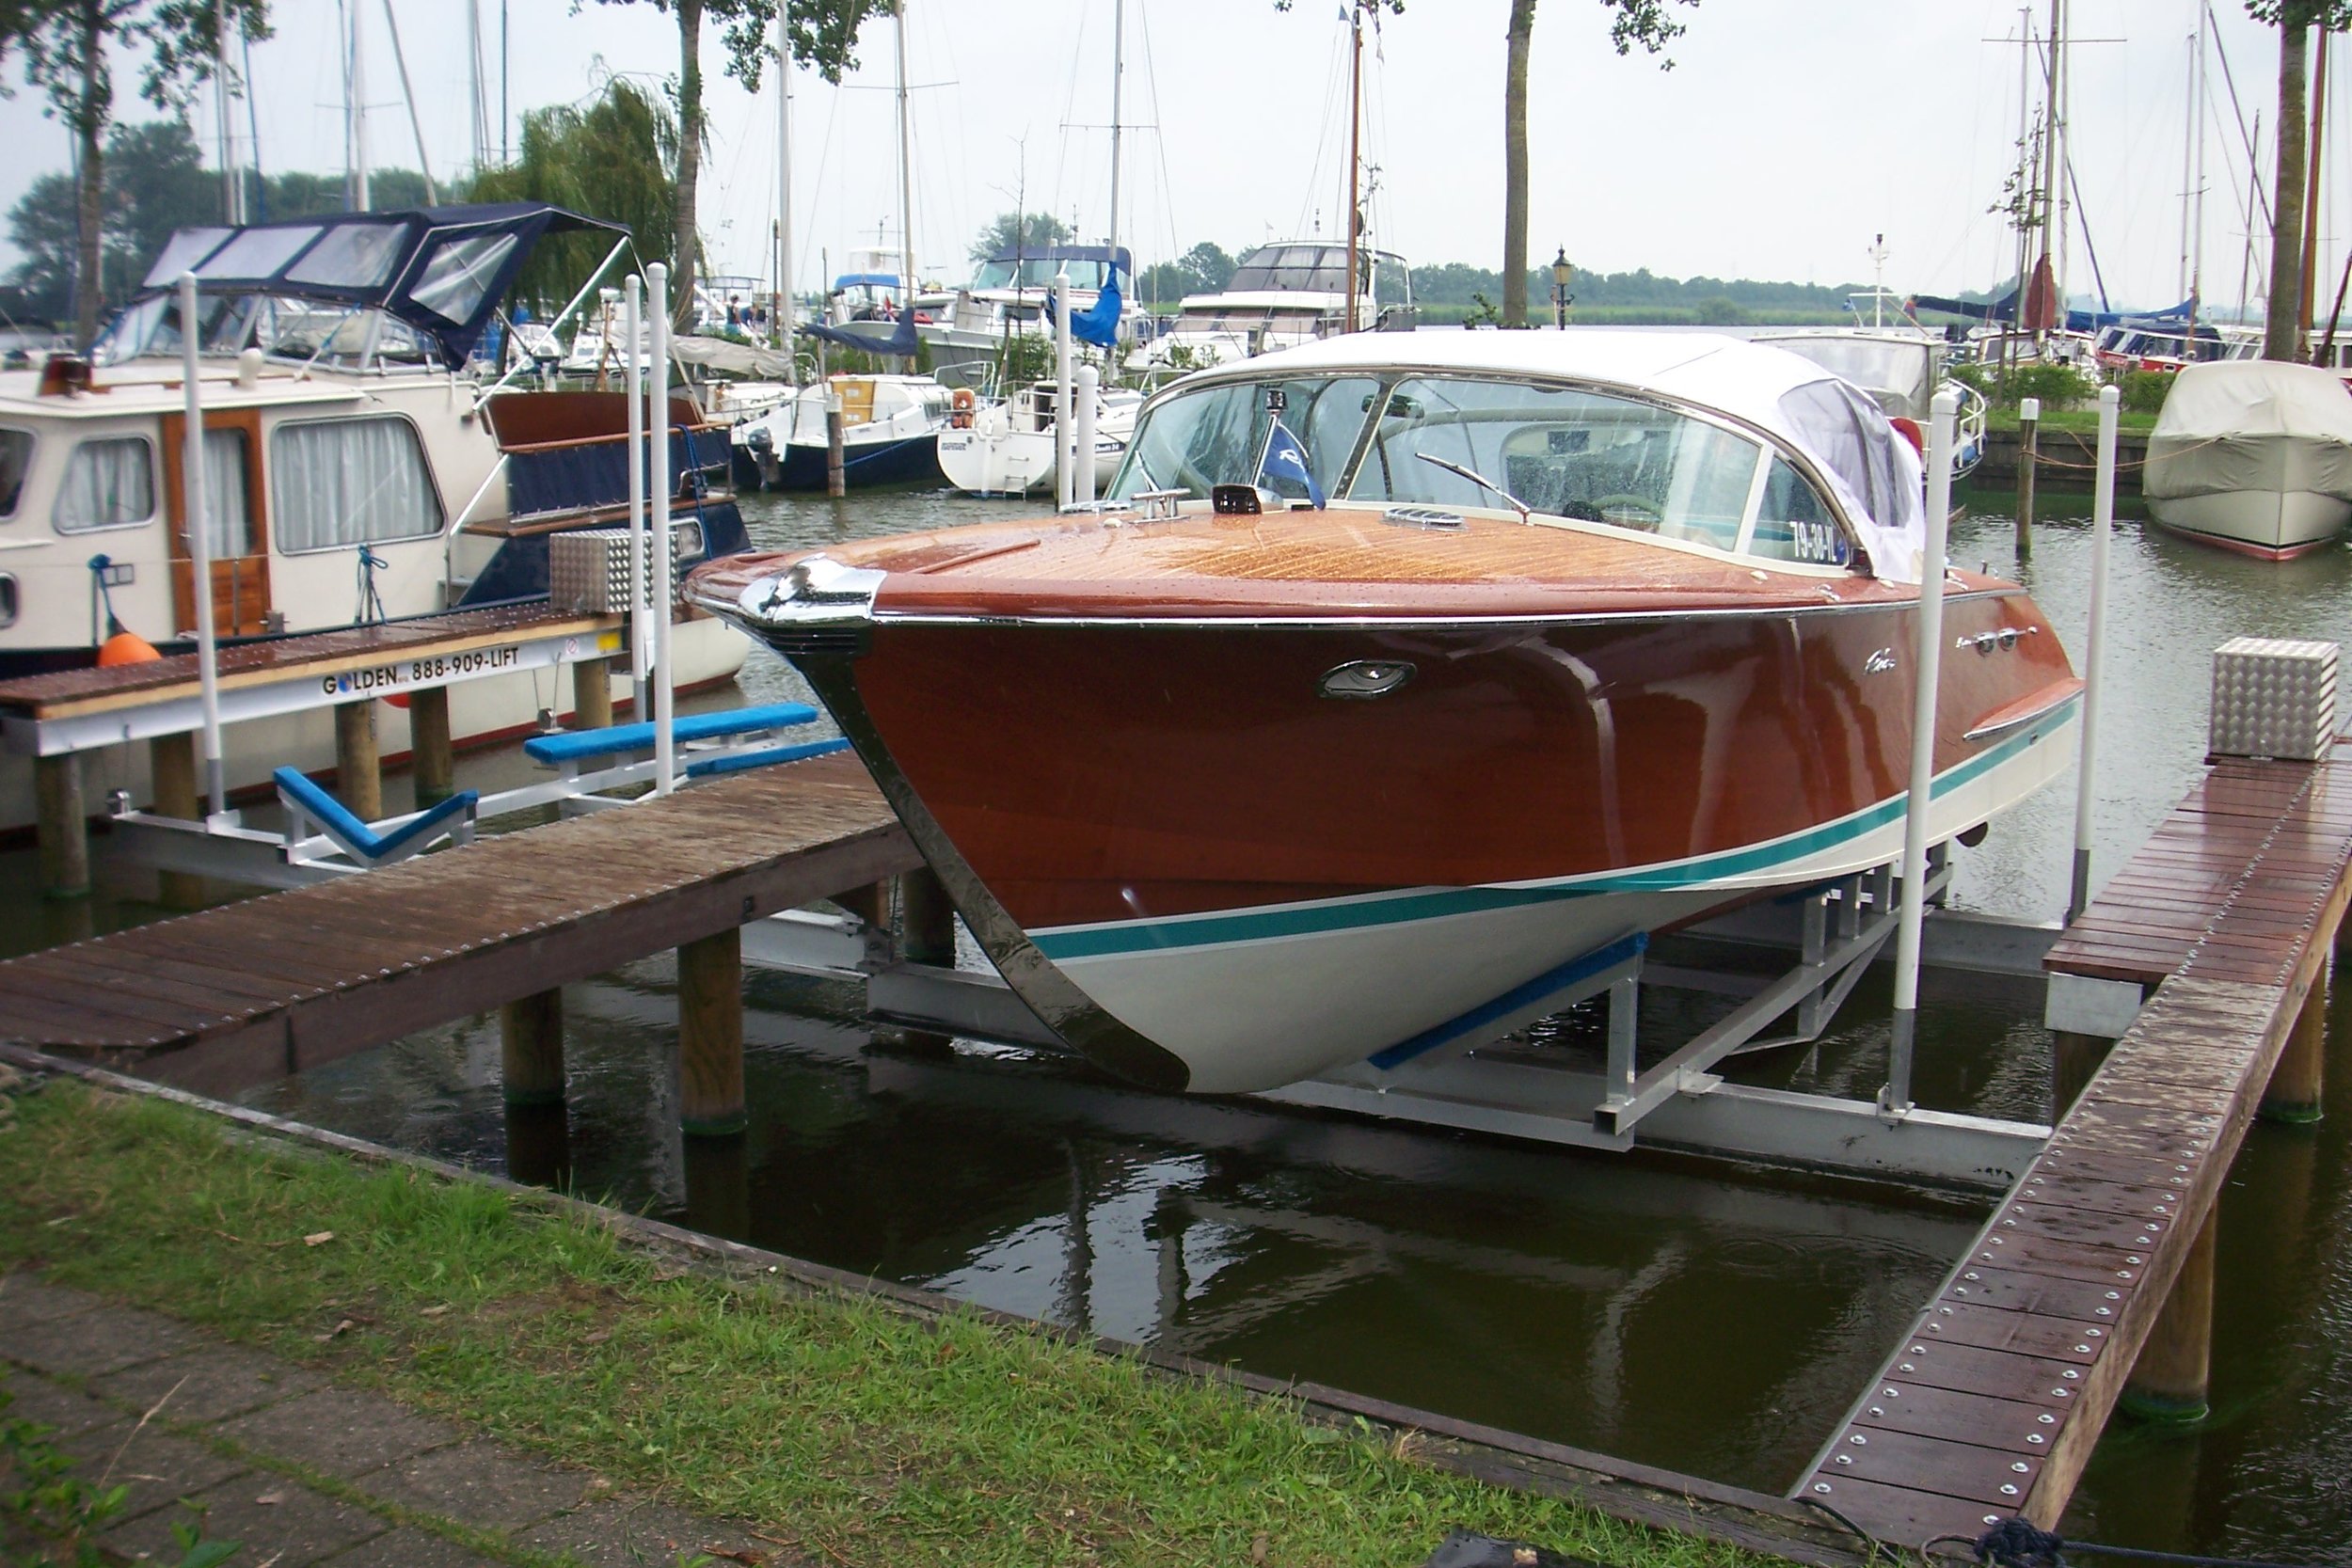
[1783, 395]
[2251, 426]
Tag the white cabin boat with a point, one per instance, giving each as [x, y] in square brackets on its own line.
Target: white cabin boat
[891, 425]
[2254, 456]
[1281, 296]
[1007, 447]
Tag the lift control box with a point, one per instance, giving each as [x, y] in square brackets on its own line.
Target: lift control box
[2273, 698]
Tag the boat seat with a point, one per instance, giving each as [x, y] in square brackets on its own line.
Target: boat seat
[570, 749]
[742, 762]
[308, 805]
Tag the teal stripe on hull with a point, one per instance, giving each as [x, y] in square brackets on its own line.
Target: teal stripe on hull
[1145, 936]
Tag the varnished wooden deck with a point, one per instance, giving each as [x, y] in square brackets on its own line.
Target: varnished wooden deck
[246, 992]
[1994, 1400]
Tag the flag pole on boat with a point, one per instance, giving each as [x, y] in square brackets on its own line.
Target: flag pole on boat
[1895, 1098]
[632, 372]
[2102, 532]
[657, 426]
[201, 548]
[1064, 466]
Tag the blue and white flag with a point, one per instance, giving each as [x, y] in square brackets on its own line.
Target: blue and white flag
[1286, 458]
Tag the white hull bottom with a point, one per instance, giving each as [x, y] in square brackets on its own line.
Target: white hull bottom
[1014, 462]
[707, 651]
[2269, 522]
[1253, 999]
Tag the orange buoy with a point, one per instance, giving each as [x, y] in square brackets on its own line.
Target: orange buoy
[125, 647]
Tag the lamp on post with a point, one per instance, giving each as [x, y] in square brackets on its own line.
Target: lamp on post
[1562, 275]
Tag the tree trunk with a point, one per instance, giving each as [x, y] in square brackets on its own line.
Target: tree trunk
[89, 203]
[690, 158]
[2282, 334]
[1514, 165]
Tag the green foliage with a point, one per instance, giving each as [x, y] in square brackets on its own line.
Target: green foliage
[1203, 270]
[1026, 357]
[1018, 231]
[612, 158]
[2058, 386]
[2335, 14]
[2144, 391]
[43, 1502]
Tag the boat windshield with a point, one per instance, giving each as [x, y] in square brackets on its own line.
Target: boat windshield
[1218, 435]
[1318, 268]
[1036, 271]
[1571, 453]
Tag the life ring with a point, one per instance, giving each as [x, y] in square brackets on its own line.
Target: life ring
[1909, 430]
[962, 406]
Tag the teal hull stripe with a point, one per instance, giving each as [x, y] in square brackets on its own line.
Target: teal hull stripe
[1145, 936]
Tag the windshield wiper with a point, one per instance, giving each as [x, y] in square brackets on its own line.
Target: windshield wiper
[1527, 513]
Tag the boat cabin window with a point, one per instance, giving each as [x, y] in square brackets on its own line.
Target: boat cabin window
[16, 459]
[1794, 523]
[1036, 271]
[341, 482]
[1316, 268]
[1571, 453]
[353, 256]
[1220, 435]
[109, 483]
[256, 253]
[458, 273]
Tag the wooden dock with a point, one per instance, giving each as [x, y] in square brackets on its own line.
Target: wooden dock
[247, 992]
[2092, 1281]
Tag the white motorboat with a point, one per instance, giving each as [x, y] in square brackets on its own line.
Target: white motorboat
[2254, 456]
[1280, 296]
[890, 430]
[1006, 448]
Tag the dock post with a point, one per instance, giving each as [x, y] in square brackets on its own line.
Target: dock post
[431, 750]
[928, 916]
[171, 763]
[2073, 1062]
[2028, 455]
[358, 774]
[836, 469]
[591, 695]
[531, 1049]
[2299, 1078]
[869, 902]
[710, 1035]
[61, 825]
[2169, 1382]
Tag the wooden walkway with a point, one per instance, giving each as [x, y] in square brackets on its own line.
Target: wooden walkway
[246, 992]
[1992, 1403]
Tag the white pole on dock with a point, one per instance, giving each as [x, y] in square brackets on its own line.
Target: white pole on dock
[634, 372]
[201, 548]
[2102, 533]
[658, 425]
[1895, 1098]
[1062, 476]
[1082, 445]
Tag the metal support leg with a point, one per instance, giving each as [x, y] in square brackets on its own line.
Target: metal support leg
[1815, 943]
[1625, 1021]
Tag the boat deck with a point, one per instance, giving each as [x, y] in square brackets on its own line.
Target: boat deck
[1993, 1401]
[247, 992]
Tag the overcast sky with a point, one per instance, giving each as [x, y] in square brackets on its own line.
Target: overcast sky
[1788, 133]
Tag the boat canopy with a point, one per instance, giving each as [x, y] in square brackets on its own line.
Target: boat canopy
[1873, 474]
[440, 270]
[2251, 425]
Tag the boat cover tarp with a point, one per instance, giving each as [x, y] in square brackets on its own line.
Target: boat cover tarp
[1097, 324]
[902, 341]
[442, 270]
[2252, 424]
[720, 354]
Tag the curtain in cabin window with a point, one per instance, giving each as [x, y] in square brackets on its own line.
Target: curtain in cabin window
[109, 483]
[228, 517]
[351, 481]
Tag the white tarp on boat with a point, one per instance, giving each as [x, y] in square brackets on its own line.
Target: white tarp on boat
[720, 354]
[2251, 425]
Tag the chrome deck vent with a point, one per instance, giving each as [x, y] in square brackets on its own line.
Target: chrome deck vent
[1420, 517]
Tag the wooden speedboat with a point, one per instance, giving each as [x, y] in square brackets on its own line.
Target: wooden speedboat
[1235, 790]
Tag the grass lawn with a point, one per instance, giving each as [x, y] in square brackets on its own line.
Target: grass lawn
[2083, 420]
[856, 1432]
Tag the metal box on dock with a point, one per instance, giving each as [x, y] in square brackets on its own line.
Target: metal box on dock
[2273, 697]
[588, 568]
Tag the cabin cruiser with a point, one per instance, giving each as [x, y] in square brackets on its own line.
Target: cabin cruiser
[1007, 447]
[1401, 671]
[1009, 294]
[890, 433]
[1902, 371]
[1280, 296]
[2254, 456]
[354, 471]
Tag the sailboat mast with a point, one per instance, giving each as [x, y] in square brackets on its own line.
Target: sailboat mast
[2046, 195]
[2188, 152]
[1119, 70]
[2061, 125]
[2026, 193]
[1355, 152]
[783, 316]
[356, 110]
[232, 177]
[906, 177]
[2197, 229]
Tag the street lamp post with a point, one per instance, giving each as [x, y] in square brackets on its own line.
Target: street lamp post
[1562, 274]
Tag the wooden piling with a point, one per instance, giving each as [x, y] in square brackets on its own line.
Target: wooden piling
[869, 902]
[591, 695]
[2073, 1058]
[2300, 1080]
[2028, 459]
[359, 771]
[836, 469]
[710, 1035]
[927, 917]
[62, 827]
[430, 746]
[538, 1144]
[2171, 1379]
[531, 1049]
[171, 763]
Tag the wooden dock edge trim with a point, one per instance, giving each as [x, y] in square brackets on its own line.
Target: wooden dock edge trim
[1622, 1489]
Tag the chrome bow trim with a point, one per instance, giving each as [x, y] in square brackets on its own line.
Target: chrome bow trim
[815, 606]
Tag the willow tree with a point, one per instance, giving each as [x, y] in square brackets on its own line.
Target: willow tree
[68, 49]
[823, 34]
[1643, 22]
[610, 157]
[2283, 330]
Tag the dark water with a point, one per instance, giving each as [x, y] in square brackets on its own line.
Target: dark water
[1705, 1318]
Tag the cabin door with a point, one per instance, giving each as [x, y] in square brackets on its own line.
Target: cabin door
[237, 523]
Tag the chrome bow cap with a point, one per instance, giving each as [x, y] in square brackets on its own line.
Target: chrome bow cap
[815, 605]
